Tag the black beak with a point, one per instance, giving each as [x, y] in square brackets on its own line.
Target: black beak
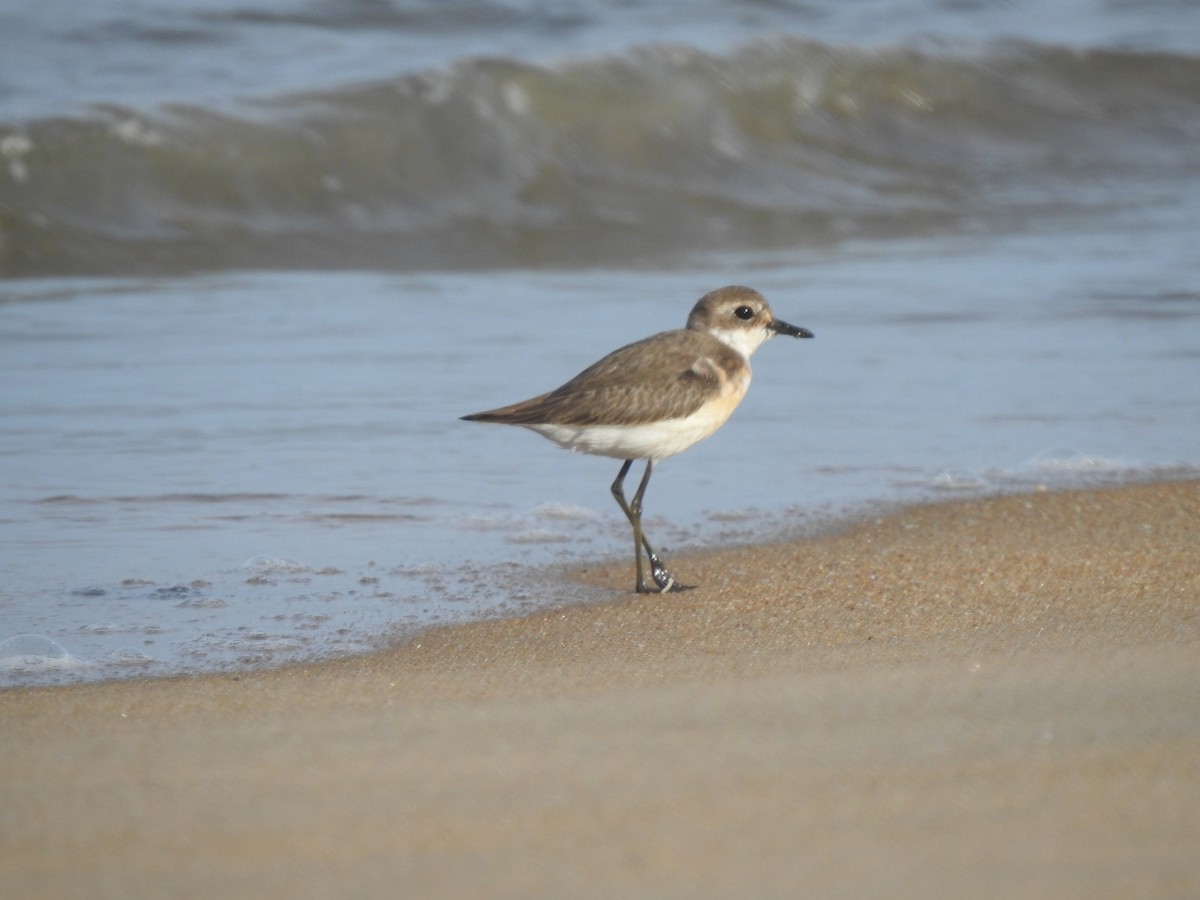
[790, 330]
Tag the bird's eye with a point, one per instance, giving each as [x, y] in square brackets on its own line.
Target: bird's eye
[744, 313]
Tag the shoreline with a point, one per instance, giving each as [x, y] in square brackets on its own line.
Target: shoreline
[991, 697]
[585, 575]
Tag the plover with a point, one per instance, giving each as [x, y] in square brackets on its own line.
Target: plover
[655, 398]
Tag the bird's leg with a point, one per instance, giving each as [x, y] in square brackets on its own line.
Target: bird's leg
[618, 492]
[662, 578]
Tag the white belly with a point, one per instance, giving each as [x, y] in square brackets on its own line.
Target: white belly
[654, 440]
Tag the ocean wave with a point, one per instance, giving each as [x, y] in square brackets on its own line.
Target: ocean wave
[632, 157]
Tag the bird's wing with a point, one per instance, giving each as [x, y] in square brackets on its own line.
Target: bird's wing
[666, 376]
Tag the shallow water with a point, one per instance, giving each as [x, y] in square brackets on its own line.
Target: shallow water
[246, 303]
[250, 468]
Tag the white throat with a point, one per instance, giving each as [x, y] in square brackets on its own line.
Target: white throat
[744, 340]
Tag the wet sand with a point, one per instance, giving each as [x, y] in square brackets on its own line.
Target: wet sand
[990, 698]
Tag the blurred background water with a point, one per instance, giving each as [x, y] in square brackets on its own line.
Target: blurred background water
[257, 258]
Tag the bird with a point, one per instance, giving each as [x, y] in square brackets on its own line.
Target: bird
[654, 398]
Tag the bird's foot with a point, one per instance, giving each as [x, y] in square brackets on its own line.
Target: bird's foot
[664, 581]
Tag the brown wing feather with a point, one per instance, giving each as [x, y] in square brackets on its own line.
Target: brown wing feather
[661, 377]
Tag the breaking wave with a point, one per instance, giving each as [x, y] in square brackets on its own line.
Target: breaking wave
[627, 158]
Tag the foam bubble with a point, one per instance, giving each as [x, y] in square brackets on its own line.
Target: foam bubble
[273, 565]
[566, 512]
[202, 603]
[958, 481]
[539, 536]
[33, 653]
[1075, 461]
[128, 657]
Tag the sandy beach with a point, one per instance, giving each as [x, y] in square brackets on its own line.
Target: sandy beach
[993, 698]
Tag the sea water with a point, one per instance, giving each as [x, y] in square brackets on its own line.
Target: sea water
[246, 303]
